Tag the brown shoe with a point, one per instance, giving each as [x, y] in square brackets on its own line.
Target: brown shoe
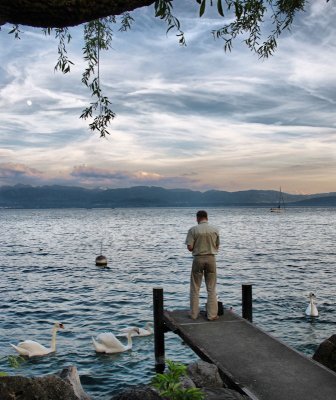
[214, 318]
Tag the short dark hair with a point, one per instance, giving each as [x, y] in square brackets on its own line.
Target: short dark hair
[202, 214]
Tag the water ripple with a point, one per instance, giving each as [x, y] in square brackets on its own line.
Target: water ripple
[47, 266]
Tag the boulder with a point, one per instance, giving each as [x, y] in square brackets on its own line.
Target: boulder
[204, 374]
[66, 385]
[187, 382]
[140, 392]
[326, 353]
[70, 375]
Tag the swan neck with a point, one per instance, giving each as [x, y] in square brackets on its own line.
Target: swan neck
[129, 339]
[53, 339]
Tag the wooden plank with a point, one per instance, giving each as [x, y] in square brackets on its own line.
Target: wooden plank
[262, 367]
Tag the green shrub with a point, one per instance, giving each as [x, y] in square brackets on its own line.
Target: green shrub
[169, 384]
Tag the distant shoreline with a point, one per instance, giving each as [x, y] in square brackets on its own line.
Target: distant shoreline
[47, 197]
[163, 207]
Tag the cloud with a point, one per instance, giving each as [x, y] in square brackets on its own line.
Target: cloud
[186, 116]
[96, 173]
[89, 176]
[19, 173]
[107, 178]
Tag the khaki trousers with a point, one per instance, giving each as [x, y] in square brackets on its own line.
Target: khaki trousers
[203, 265]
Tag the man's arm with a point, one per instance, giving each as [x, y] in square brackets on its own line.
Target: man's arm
[190, 240]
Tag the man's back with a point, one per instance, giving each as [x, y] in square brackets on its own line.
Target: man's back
[203, 238]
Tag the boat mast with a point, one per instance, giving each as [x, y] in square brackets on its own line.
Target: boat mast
[281, 199]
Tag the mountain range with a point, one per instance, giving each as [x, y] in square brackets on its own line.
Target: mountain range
[25, 196]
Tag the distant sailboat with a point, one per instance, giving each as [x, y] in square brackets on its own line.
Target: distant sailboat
[281, 204]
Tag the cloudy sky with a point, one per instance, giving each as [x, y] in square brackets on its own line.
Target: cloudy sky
[187, 117]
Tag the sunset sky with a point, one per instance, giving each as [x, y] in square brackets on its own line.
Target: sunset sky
[187, 117]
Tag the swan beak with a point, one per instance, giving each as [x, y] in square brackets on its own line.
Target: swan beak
[61, 326]
[137, 330]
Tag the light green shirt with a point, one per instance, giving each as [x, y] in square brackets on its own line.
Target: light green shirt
[203, 238]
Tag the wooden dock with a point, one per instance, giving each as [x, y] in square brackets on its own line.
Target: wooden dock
[251, 360]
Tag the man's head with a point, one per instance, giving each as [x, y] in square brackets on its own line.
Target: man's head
[201, 216]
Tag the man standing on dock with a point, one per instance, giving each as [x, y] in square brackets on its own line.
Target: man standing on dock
[203, 241]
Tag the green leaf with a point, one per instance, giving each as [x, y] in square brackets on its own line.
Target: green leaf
[238, 9]
[15, 361]
[220, 8]
[202, 8]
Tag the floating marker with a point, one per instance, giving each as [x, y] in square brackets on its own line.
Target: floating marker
[101, 260]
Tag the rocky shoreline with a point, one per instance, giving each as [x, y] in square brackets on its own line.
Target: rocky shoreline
[67, 386]
[200, 374]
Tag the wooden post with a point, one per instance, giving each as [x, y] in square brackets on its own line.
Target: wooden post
[159, 345]
[247, 301]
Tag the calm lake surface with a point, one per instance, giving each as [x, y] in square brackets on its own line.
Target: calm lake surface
[48, 274]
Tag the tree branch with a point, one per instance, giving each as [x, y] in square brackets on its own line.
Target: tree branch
[63, 13]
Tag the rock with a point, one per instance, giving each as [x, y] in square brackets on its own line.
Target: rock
[222, 394]
[70, 375]
[187, 382]
[140, 392]
[50, 387]
[205, 374]
[326, 353]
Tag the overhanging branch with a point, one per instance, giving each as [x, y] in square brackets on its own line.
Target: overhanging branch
[63, 13]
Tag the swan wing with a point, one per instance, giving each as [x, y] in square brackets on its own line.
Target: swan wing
[22, 352]
[31, 348]
[149, 326]
[311, 310]
[314, 311]
[133, 329]
[109, 341]
[308, 310]
[98, 346]
[126, 330]
[31, 345]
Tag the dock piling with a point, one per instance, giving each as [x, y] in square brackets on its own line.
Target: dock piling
[247, 301]
[159, 344]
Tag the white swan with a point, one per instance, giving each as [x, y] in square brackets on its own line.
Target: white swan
[29, 348]
[107, 343]
[311, 310]
[146, 331]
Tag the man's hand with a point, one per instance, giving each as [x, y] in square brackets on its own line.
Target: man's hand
[190, 247]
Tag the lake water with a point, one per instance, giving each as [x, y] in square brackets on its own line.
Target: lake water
[48, 273]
